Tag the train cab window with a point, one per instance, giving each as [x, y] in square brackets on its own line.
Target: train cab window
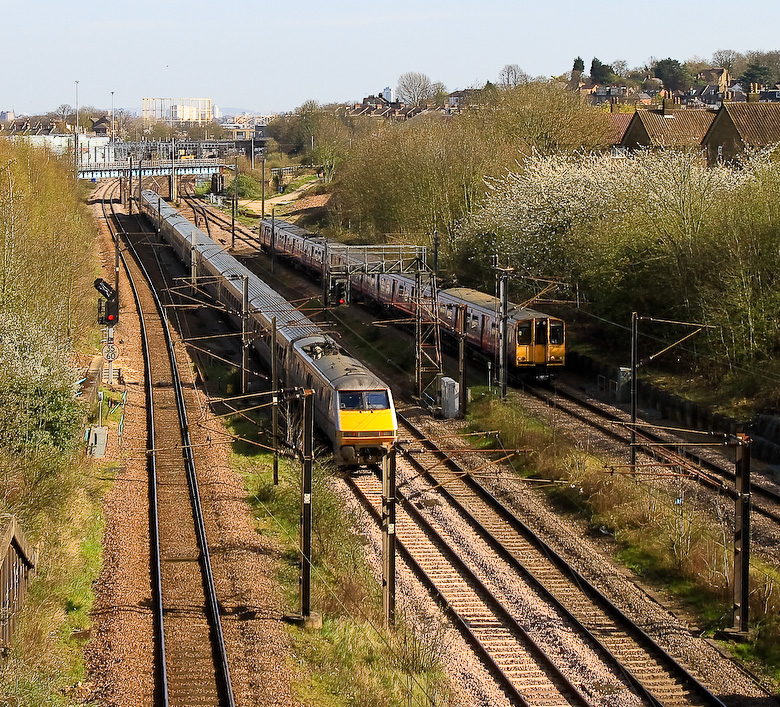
[364, 400]
[351, 401]
[524, 333]
[377, 400]
[556, 333]
[541, 331]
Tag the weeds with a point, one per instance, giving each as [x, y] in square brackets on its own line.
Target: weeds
[668, 533]
[352, 661]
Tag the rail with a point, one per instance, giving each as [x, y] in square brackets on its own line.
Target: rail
[19, 559]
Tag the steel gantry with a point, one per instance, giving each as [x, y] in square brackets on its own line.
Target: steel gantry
[343, 263]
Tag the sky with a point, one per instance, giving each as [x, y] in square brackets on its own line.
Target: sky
[271, 57]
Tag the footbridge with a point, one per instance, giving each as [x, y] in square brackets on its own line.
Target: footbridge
[150, 168]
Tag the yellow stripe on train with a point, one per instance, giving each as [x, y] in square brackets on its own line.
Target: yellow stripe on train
[366, 425]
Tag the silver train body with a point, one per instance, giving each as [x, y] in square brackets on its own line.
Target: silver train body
[352, 406]
[536, 341]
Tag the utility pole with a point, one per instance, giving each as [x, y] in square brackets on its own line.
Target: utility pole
[502, 277]
[275, 408]
[262, 186]
[742, 536]
[76, 133]
[306, 490]
[388, 536]
[111, 142]
[245, 335]
[235, 207]
[634, 367]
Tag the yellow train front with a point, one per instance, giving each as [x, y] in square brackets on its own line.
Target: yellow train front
[536, 341]
[353, 407]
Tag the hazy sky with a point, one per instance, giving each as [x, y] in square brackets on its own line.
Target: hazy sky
[273, 56]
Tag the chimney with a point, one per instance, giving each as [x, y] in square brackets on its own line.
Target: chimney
[668, 106]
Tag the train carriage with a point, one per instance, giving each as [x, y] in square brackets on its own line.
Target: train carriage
[352, 406]
[536, 340]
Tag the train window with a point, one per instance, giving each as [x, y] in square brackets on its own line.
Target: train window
[556, 333]
[541, 331]
[474, 321]
[351, 401]
[364, 400]
[524, 333]
[377, 400]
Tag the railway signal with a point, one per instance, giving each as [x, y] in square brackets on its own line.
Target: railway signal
[340, 294]
[112, 310]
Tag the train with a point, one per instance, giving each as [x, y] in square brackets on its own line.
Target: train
[536, 341]
[353, 407]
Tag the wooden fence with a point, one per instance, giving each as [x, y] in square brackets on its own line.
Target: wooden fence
[18, 565]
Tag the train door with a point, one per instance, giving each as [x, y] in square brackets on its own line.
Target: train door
[524, 349]
[540, 341]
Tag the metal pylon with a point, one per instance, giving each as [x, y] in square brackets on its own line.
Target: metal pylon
[426, 327]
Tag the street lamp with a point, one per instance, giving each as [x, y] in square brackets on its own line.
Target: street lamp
[76, 132]
[111, 141]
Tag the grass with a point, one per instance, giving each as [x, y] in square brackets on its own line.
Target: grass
[352, 661]
[663, 535]
[45, 663]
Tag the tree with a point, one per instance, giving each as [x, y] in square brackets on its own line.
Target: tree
[726, 59]
[512, 75]
[673, 74]
[414, 88]
[620, 67]
[755, 74]
[601, 73]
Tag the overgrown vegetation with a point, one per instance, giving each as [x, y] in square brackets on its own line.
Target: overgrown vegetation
[353, 661]
[46, 306]
[669, 533]
[655, 232]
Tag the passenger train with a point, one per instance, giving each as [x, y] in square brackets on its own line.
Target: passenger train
[352, 406]
[537, 340]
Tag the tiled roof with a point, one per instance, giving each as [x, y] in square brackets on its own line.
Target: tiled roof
[758, 124]
[679, 128]
[618, 125]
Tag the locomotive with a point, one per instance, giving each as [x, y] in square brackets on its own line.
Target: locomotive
[352, 406]
[537, 341]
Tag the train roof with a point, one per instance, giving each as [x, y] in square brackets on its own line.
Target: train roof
[489, 303]
[337, 366]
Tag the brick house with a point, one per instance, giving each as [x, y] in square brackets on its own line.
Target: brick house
[667, 127]
[740, 126]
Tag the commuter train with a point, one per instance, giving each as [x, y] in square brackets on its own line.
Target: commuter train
[352, 406]
[537, 341]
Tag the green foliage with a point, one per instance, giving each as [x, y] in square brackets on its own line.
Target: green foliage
[424, 175]
[656, 232]
[602, 73]
[674, 74]
[757, 74]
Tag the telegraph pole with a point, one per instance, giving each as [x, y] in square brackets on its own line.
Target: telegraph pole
[388, 536]
[502, 276]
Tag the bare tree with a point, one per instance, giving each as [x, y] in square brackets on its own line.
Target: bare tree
[414, 88]
[726, 59]
[620, 67]
[512, 75]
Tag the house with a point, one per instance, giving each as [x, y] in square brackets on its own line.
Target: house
[619, 123]
[102, 126]
[463, 99]
[740, 126]
[670, 126]
[715, 76]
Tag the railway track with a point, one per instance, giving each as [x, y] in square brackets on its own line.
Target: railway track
[584, 638]
[664, 447]
[628, 660]
[192, 660]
